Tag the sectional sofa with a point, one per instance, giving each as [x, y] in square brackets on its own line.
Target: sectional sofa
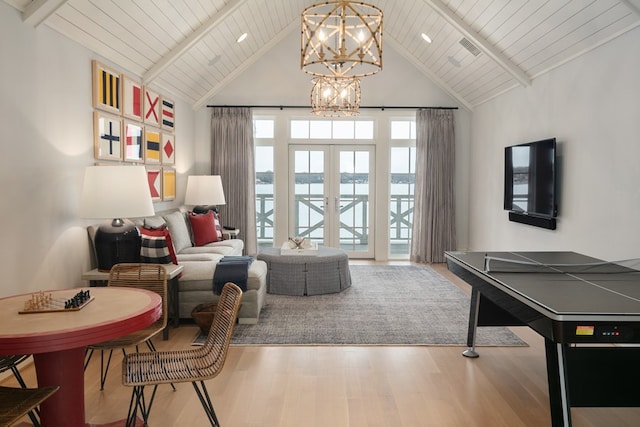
[200, 261]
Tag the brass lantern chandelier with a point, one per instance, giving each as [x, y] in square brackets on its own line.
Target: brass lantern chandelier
[335, 96]
[341, 39]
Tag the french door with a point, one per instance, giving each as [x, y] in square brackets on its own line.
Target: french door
[331, 196]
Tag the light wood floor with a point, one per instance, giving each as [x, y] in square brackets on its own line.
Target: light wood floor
[310, 386]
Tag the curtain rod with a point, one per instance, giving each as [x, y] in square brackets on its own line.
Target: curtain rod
[382, 107]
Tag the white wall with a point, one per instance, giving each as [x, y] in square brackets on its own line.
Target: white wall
[592, 106]
[47, 141]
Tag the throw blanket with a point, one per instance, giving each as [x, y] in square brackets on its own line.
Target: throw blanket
[233, 269]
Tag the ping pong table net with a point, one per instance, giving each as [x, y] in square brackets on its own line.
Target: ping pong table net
[493, 264]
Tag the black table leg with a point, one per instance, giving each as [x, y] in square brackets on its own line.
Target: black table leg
[474, 309]
[558, 385]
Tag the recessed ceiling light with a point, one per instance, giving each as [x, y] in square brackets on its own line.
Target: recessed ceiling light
[454, 61]
[242, 37]
[425, 37]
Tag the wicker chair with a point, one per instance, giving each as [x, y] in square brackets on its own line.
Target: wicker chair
[193, 365]
[15, 403]
[152, 277]
[10, 363]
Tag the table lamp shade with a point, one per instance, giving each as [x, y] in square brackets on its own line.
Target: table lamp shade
[204, 190]
[116, 193]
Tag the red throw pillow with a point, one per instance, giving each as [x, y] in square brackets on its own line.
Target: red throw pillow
[203, 228]
[172, 250]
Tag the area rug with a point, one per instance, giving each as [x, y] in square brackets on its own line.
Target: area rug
[385, 305]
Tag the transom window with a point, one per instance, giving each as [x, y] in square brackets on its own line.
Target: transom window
[403, 129]
[263, 128]
[332, 129]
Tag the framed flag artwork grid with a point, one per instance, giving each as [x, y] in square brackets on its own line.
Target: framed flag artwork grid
[168, 184]
[107, 136]
[107, 91]
[133, 141]
[134, 123]
[131, 98]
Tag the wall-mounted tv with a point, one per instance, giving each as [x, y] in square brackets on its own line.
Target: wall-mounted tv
[530, 179]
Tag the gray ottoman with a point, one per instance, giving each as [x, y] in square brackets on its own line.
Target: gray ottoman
[324, 273]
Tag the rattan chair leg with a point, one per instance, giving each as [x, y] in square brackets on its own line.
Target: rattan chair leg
[35, 413]
[138, 401]
[87, 357]
[11, 363]
[132, 413]
[205, 400]
[104, 370]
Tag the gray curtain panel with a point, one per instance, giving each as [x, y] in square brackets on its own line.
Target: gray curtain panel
[433, 230]
[232, 157]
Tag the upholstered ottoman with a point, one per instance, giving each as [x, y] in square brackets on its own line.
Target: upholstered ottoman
[196, 286]
[324, 273]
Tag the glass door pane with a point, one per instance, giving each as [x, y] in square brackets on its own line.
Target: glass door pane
[309, 195]
[265, 202]
[354, 203]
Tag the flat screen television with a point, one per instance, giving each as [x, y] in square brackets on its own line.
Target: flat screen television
[530, 178]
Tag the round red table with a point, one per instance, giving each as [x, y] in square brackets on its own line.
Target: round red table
[58, 340]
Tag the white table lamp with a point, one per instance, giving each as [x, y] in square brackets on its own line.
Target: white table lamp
[116, 193]
[204, 191]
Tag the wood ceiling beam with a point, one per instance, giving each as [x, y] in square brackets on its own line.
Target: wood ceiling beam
[38, 11]
[483, 44]
[190, 41]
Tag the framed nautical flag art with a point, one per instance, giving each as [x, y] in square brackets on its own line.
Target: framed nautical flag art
[131, 98]
[168, 149]
[168, 184]
[107, 131]
[151, 146]
[133, 141]
[107, 91]
[167, 111]
[154, 177]
[151, 107]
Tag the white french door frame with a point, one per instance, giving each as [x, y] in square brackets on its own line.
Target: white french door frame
[332, 204]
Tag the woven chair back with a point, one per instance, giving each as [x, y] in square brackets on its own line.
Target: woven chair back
[217, 345]
[151, 277]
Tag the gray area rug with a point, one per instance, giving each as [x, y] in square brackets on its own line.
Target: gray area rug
[385, 305]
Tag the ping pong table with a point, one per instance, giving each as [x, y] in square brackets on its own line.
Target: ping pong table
[582, 306]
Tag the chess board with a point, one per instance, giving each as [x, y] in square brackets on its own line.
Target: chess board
[42, 302]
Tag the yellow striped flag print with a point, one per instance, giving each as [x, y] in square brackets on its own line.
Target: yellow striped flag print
[109, 89]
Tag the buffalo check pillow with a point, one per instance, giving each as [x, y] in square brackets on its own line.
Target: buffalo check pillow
[154, 248]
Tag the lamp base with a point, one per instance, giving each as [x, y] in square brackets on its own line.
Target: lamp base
[205, 209]
[117, 242]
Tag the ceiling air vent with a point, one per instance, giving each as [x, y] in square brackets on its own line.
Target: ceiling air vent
[470, 46]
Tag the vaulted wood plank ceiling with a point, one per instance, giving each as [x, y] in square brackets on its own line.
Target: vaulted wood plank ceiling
[479, 48]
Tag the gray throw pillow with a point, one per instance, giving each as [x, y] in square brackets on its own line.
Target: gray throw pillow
[178, 230]
[154, 222]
